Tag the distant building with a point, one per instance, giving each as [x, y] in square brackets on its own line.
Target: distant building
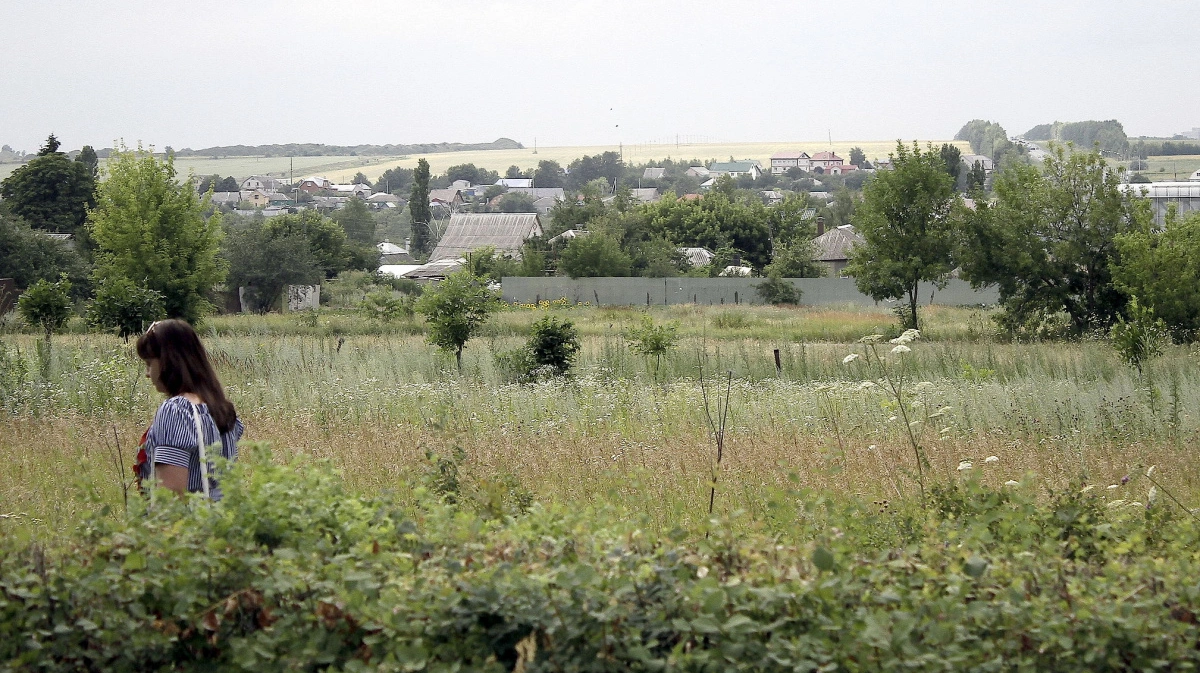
[230, 199]
[256, 197]
[315, 183]
[969, 160]
[699, 172]
[735, 169]
[447, 198]
[698, 257]
[1183, 196]
[263, 182]
[826, 160]
[467, 232]
[515, 182]
[654, 173]
[392, 254]
[782, 162]
[384, 200]
[360, 190]
[832, 248]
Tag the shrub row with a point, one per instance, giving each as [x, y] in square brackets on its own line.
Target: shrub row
[291, 572]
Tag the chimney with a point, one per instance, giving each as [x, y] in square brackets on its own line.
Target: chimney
[820, 225]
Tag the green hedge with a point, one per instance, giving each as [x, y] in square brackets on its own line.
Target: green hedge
[292, 572]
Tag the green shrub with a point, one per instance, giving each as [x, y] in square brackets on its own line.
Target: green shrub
[293, 572]
[1141, 338]
[776, 290]
[382, 306]
[553, 343]
[125, 308]
[46, 305]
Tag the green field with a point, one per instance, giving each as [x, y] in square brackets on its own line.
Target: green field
[342, 169]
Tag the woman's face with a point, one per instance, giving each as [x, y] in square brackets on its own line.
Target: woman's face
[154, 373]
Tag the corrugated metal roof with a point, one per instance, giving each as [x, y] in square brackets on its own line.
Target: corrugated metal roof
[834, 245]
[506, 232]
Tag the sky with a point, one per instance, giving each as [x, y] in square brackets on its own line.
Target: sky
[584, 72]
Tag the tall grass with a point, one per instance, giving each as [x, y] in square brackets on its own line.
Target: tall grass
[377, 403]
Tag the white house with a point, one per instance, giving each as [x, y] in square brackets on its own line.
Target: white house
[782, 162]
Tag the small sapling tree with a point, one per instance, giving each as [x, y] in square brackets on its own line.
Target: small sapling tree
[124, 307]
[47, 306]
[653, 340]
[455, 311]
[553, 344]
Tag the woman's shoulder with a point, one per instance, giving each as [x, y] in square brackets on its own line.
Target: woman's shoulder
[173, 406]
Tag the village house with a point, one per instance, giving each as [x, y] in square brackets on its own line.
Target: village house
[826, 161]
[450, 197]
[654, 173]
[263, 182]
[515, 182]
[735, 169]
[782, 162]
[467, 232]
[383, 200]
[315, 184]
[831, 249]
[257, 198]
[969, 161]
[699, 172]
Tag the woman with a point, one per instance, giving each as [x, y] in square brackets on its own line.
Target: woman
[178, 366]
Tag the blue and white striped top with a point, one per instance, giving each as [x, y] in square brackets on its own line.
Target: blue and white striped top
[171, 440]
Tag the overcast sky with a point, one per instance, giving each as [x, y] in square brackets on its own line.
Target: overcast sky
[568, 72]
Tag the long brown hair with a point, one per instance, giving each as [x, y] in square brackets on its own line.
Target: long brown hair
[184, 367]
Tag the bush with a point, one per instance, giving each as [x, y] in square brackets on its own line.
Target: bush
[776, 290]
[124, 307]
[1140, 338]
[46, 305]
[382, 306]
[293, 572]
[553, 343]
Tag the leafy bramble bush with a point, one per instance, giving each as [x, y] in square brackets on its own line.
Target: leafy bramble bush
[553, 343]
[382, 306]
[290, 571]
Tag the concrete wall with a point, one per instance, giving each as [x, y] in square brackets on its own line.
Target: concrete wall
[662, 291]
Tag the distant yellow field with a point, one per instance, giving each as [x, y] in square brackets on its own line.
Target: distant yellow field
[341, 169]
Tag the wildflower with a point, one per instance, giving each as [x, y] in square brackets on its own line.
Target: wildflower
[1112, 487]
[1124, 480]
[871, 338]
[923, 386]
[901, 350]
[866, 385]
[850, 358]
[964, 465]
[907, 336]
[892, 418]
[702, 572]
[1011, 482]
[992, 459]
[1150, 470]
[871, 447]
[945, 410]
[1087, 488]
[1152, 496]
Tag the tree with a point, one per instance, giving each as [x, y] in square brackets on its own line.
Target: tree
[976, 177]
[46, 305]
[485, 263]
[455, 311]
[517, 202]
[985, 137]
[28, 255]
[515, 172]
[794, 260]
[125, 308]
[394, 181]
[326, 239]
[553, 344]
[265, 262]
[594, 255]
[548, 174]
[150, 229]
[858, 157]
[356, 220]
[1049, 242]
[776, 290]
[418, 206]
[1162, 269]
[51, 192]
[87, 157]
[607, 166]
[952, 156]
[905, 223]
[228, 184]
[360, 179]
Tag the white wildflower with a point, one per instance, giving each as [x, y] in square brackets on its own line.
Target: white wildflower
[702, 572]
[1113, 487]
[892, 418]
[992, 459]
[850, 358]
[964, 465]
[1150, 470]
[922, 387]
[907, 336]
[901, 350]
[1152, 496]
[945, 410]
[1087, 488]
[1012, 482]
[871, 447]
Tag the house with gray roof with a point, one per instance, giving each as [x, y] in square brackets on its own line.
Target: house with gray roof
[736, 169]
[832, 248]
[654, 173]
[506, 232]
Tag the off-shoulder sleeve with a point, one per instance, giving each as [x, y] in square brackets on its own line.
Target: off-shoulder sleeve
[172, 437]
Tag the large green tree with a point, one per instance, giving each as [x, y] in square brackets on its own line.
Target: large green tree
[265, 262]
[28, 255]
[418, 206]
[52, 192]
[357, 222]
[326, 239]
[150, 229]
[1049, 240]
[548, 174]
[905, 222]
[594, 255]
[1162, 269]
